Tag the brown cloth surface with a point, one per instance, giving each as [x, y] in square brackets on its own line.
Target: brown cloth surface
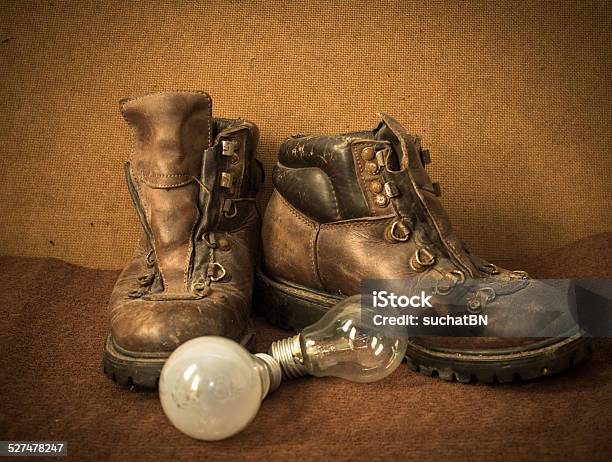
[53, 327]
[513, 99]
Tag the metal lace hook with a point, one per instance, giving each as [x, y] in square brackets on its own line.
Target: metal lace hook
[404, 229]
[416, 261]
[519, 274]
[212, 270]
[229, 208]
[489, 268]
[476, 304]
[430, 258]
[458, 278]
[210, 239]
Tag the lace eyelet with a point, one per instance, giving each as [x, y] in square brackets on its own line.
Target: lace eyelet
[399, 231]
[229, 209]
[489, 268]
[136, 293]
[146, 279]
[518, 274]
[210, 240]
[458, 278]
[212, 271]
[417, 263]
[474, 306]
[477, 302]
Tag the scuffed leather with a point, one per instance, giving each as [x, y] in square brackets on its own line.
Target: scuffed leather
[165, 296]
[140, 325]
[357, 246]
[311, 188]
[332, 155]
[288, 241]
[171, 130]
[350, 251]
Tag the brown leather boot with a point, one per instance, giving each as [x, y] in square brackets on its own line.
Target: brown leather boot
[360, 206]
[193, 180]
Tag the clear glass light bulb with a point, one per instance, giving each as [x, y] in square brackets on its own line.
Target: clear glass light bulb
[211, 387]
[343, 343]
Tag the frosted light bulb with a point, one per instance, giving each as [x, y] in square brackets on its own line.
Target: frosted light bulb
[211, 387]
[343, 343]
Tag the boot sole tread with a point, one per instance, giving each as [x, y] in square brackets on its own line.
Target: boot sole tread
[292, 307]
[145, 371]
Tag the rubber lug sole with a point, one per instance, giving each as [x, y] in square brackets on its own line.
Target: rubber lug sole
[141, 371]
[293, 307]
[531, 364]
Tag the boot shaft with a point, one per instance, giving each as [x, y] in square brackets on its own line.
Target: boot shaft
[171, 131]
[189, 174]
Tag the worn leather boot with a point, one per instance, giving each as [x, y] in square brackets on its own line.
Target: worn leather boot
[193, 180]
[361, 206]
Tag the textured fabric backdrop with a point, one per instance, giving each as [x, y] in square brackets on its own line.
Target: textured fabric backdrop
[514, 100]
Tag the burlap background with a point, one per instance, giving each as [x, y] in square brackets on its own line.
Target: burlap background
[514, 100]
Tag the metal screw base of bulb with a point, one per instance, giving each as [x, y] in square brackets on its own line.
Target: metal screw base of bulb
[271, 375]
[288, 353]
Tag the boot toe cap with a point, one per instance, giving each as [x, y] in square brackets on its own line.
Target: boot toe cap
[142, 326]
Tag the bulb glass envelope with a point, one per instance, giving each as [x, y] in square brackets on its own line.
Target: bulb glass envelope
[341, 345]
[210, 388]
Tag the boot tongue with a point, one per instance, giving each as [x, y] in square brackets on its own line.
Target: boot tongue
[397, 159]
[406, 156]
[171, 131]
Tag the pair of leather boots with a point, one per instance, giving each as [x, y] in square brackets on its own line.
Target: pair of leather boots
[345, 208]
